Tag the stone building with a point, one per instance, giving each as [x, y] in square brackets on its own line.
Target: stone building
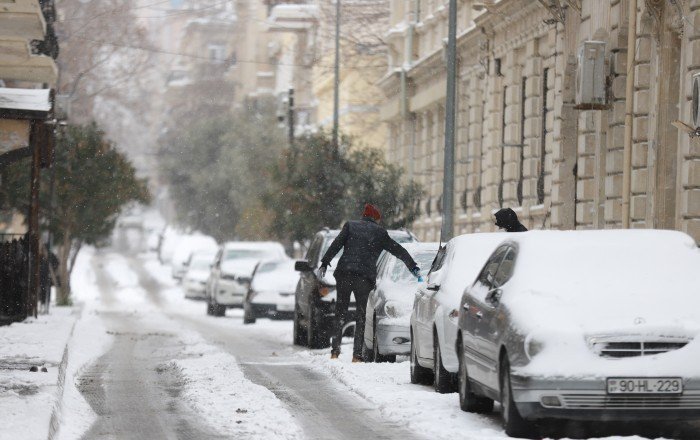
[523, 140]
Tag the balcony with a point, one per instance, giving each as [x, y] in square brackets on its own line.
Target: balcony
[292, 17]
[17, 63]
[21, 19]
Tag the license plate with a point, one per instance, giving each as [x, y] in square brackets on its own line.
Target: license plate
[645, 385]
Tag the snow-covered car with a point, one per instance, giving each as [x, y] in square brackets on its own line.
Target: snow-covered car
[389, 304]
[436, 308]
[232, 272]
[185, 247]
[194, 282]
[315, 298]
[271, 292]
[589, 325]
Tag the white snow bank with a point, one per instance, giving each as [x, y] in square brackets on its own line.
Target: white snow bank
[27, 398]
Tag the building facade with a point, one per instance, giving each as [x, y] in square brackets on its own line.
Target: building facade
[523, 139]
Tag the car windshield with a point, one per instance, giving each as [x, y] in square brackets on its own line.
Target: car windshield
[200, 263]
[235, 254]
[267, 267]
[423, 259]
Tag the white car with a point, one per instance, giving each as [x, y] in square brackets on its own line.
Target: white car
[271, 292]
[195, 279]
[585, 325]
[232, 272]
[436, 308]
[185, 247]
[388, 313]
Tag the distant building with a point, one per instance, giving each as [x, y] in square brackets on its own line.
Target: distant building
[524, 139]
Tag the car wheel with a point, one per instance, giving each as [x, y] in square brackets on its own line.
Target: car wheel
[469, 401]
[299, 335]
[314, 331]
[210, 309]
[248, 314]
[217, 309]
[443, 380]
[515, 425]
[419, 375]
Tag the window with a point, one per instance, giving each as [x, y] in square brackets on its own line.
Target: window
[543, 138]
[235, 254]
[505, 269]
[399, 271]
[216, 53]
[312, 254]
[488, 273]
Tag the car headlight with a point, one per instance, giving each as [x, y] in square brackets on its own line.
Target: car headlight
[394, 309]
[532, 346]
[324, 291]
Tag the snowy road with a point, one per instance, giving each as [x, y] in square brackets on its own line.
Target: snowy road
[169, 371]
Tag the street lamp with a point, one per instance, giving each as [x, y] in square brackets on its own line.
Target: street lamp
[336, 81]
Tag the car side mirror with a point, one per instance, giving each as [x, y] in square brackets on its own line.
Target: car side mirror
[433, 287]
[303, 266]
[494, 296]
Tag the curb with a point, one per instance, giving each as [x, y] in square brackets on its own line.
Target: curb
[55, 420]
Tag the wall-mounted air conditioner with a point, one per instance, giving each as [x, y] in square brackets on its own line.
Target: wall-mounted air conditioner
[696, 100]
[590, 76]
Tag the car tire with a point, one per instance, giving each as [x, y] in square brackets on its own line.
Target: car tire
[468, 401]
[210, 309]
[443, 380]
[367, 353]
[298, 333]
[378, 357]
[248, 314]
[419, 375]
[217, 309]
[314, 332]
[515, 425]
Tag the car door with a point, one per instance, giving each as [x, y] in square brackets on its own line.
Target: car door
[424, 305]
[375, 300]
[478, 363]
[307, 280]
[491, 325]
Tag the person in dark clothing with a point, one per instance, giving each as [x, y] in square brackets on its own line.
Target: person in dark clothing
[363, 242]
[507, 219]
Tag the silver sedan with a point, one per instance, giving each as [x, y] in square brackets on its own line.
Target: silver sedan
[387, 332]
[587, 325]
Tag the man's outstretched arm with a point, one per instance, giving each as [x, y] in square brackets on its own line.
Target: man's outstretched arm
[336, 246]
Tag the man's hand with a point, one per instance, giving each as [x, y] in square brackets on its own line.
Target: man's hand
[322, 271]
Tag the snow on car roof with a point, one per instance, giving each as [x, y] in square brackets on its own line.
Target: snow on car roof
[469, 252]
[418, 246]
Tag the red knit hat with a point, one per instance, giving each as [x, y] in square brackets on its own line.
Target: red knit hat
[372, 212]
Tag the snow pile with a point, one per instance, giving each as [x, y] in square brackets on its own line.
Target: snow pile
[216, 389]
[571, 287]
[416, 407]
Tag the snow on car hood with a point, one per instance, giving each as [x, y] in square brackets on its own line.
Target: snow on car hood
[569, 287]
[242, 267]
[283, 279]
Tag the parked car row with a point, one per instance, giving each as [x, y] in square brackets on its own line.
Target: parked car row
[585, 325]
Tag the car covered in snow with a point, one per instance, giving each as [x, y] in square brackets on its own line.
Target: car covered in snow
[436, 308]
[194, 282]
[588, 325]
[389, 304]
[315, 298]
[184, 247]
[232, 272]
[271, 292]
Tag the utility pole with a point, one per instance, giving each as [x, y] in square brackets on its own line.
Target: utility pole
[336, 82]
[290, 117]
[448, 197]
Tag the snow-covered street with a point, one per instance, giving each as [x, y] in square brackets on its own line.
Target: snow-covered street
[145, 363]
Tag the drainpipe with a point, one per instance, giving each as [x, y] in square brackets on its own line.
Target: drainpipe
[629, 114]
[408, 61]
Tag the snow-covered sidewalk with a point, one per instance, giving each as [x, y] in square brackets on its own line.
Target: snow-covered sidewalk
[28, 399]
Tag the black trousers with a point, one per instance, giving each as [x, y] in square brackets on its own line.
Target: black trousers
[361, 287]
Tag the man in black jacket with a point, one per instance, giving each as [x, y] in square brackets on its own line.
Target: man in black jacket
[507, 219]
[363, 241]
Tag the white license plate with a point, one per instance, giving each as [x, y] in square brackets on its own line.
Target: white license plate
[645, 385]
[285, 307]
